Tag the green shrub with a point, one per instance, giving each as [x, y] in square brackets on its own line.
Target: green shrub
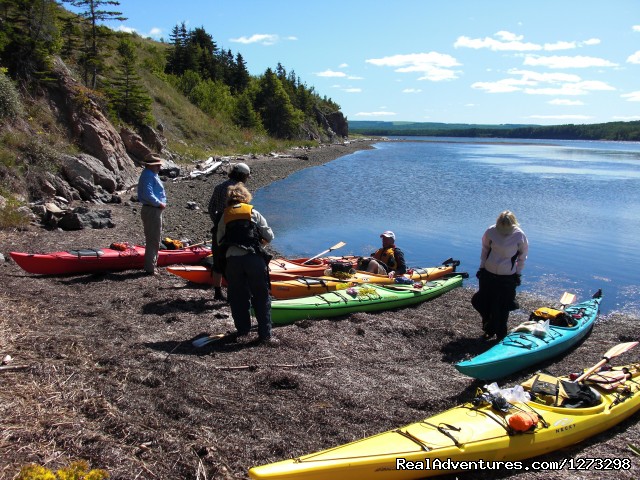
[10, 102]
[75, 471]
[11, 216]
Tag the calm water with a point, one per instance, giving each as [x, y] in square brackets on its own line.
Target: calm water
[578, 203]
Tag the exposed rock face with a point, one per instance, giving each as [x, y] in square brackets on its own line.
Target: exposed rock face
[134, 144]
[81, 217]
[333, 123]
[92, 129]
[338, 123]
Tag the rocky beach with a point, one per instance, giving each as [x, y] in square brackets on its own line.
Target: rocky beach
[103, 369]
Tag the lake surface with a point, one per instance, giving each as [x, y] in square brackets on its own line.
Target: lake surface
[577, 201]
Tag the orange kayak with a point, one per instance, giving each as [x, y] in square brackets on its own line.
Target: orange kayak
[286, 285]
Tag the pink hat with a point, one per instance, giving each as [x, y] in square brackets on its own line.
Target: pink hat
[389, 234]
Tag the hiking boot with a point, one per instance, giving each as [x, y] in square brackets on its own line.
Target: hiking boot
[218, 295]
[487, 337]
[270, 341]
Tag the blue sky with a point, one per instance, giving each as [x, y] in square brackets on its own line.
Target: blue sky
[455, 61]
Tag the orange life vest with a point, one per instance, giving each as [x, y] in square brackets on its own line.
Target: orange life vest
[387, 256]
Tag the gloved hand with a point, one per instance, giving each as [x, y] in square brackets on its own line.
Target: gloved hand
[479, 273]
[518, 279]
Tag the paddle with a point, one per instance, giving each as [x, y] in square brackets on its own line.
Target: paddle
[335, 247]
[611, 353]
[196, 244]
[567, 299]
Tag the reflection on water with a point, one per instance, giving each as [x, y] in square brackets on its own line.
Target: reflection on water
[578, 202]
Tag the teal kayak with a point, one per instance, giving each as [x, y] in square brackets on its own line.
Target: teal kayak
[519, 350]
[361, 298]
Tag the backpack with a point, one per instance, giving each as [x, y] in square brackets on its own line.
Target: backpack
[551, 390]
[557, 318]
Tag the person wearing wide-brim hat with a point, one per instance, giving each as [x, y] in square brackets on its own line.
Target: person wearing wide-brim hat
[504, 252]
[239, 173]
[152, 196]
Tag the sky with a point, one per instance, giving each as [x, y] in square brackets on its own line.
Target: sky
[544, 62]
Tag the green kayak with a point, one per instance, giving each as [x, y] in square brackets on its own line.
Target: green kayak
[362, 298]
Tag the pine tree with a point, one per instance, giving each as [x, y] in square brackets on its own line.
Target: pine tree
[30, 35]
[128, 100]
[240, 77]
[279, 117]
[91, 11]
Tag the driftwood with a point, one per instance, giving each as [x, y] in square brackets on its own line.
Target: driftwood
[7, 368]
[310, 363]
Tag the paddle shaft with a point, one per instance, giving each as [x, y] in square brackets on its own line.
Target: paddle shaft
[612, 353]
[335, 247]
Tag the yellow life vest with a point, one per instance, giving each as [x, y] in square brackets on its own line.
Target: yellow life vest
[241, 211]
[386, 256]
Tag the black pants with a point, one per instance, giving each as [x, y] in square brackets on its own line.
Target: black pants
[495, 298]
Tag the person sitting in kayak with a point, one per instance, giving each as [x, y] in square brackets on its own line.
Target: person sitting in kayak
[388, 260]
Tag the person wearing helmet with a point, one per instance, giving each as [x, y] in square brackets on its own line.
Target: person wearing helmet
[239, 173]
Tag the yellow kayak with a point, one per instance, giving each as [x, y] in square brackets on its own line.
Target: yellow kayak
[473, 436]
[296, 287]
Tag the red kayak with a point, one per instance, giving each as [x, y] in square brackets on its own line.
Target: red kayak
[103, 260]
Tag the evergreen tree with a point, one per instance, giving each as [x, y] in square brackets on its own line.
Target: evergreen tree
[279, 117]
[244, 114]
[241, 77]
[92, 12]
[30, 35]
[128, 100]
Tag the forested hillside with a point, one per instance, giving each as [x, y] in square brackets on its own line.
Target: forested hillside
[614, 131]
[187, 98]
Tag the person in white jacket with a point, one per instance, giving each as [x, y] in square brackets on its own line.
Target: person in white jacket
[502, 259]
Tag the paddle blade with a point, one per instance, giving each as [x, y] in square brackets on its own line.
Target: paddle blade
[337, 246]
[567, 299]
[611, 353]
[619, 350]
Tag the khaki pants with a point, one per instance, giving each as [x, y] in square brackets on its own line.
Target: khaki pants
[152, 223]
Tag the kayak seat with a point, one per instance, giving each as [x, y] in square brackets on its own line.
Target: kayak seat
[86, 252]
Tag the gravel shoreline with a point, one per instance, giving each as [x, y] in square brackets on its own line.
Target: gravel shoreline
[110, 374]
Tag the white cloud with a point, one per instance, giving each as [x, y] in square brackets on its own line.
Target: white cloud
[435, 66]
[512, 43]
[578, 61]
[627, 118]
[559, 46]
[155, 32]
[262, 38]
[634, 58]
[412, 90]
[632, 97]
[352, 90]
[354, 77]
[375, 114]
[330, 73]
[508, 36]
[560, 117]
[578, 88]
[547, 77]
[636, 28]
[505, 85]
[565, 102]
[343, 65]
[122, 28]
[507, 41]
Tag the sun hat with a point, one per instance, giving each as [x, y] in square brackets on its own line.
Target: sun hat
[388, 234]
[241, 168]
[152, 159]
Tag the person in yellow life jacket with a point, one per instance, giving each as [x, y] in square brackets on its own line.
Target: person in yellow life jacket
[241, 233]
[388, 260]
